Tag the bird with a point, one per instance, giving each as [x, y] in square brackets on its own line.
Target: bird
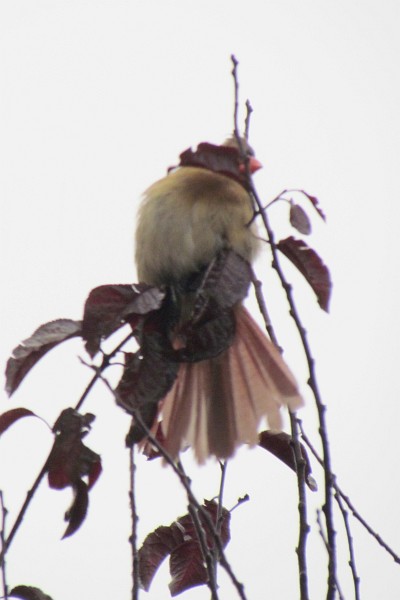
[198, 210]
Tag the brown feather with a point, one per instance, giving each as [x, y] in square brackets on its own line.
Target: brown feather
[216, 405]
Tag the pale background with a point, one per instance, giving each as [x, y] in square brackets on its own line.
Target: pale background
[97, 99]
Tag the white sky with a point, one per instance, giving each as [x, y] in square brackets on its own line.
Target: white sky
[97, 99]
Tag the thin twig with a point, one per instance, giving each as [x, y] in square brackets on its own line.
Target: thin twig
[326, 544]
[363, 522]
[3, 511]
[321, 408]
[208, 556]
[304, 527]
[23, 509]
[263, 310]
[299, 461]
[219, 519]
[236, 98]
[134, 516]
[184, 480]
[249, 110]
[105, 363]
[240, 501]
[192, 499]
[224, 466]
[346, 499]
[352, 561]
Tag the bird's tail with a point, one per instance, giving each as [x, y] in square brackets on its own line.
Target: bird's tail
[216, 405]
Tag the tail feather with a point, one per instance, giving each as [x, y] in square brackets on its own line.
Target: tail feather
[216, 405]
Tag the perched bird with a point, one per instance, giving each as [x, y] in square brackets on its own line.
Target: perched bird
[184, 221]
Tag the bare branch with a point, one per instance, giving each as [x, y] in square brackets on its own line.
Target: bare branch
[249, 110]
[300, 464]
[304, 527]
[208, 557]
[193, 502]
[326, 544]
[312, 382]
[135, 518]
[347, 500]
[352, 562]
[3, 511]
[99, 370]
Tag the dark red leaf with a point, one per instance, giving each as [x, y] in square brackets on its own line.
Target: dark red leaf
[27, 354]
[187, 567]
[211, 326]
[108, 307]
[280, 445]
[220, 159]
[179, 540]
[95, 469]
[211, 507]
[315, 202]
[155, 548]
[310, 266]
[299, 219]
[76, 514]
[207, 337]
[227, 280]
[27, 592]
[146, 379]
[9, 417]
[70, 459]
[224, 525]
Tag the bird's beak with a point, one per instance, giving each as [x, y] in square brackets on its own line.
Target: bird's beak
[254, 165]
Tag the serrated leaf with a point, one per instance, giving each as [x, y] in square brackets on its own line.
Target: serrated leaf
[27, 354]
[299, 219]
[310, 266]
[27, 592]
[11, 416]
[280, 445]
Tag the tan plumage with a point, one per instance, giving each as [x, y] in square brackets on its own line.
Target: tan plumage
[185, 219]
[215, 405]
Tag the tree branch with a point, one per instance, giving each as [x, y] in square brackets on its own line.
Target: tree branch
[99, 370]
[3, 511]
[134, 516]
[299, 461]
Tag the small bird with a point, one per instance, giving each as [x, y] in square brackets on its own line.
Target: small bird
[185, 220]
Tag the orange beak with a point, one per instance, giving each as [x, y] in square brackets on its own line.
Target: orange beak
[254, 165]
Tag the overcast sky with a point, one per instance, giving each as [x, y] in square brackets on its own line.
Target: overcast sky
[98, 98]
